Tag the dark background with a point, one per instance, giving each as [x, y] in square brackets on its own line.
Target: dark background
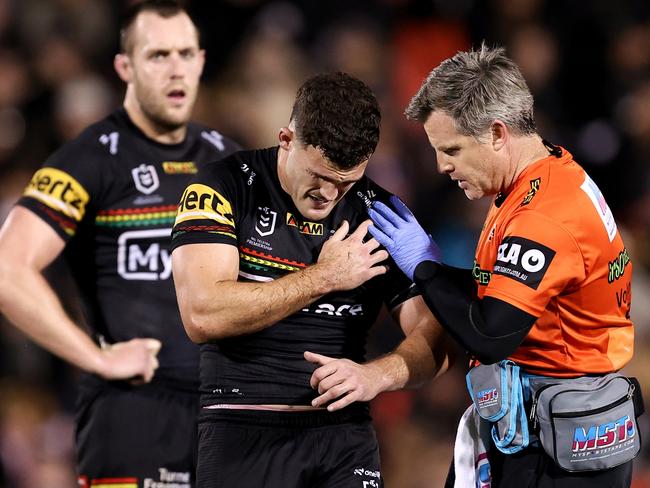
[587, 64]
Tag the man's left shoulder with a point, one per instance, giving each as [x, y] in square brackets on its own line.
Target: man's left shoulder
[365, 192]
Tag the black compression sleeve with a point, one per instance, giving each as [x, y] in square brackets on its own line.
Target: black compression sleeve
[490, 329]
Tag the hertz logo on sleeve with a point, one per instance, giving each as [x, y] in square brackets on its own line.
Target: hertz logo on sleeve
[59, 191]
[200, 202]
[309, 228]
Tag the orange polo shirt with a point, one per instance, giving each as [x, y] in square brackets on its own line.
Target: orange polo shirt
[553, 250]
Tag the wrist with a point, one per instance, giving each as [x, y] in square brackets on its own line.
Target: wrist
[98, 363]
[387, 373]
[322, 278]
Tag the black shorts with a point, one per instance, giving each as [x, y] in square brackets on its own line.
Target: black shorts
[533, 468]
[261, 449]
[136, 437]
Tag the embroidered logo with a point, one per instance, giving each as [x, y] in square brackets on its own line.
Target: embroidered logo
[145, 178]
[534, 187]
[265, 225]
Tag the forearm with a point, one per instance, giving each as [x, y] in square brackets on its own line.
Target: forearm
[489, 329]
[415, 361]
[28, 301]
[215, 305]
[232, 308]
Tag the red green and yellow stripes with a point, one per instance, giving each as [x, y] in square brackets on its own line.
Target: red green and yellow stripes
[114, 483]
[224, 230]
[136, 217]
[260, 258]
[68, 225]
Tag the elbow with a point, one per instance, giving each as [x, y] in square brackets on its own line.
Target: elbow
[195, 332]
[196, 328]
[202, 328]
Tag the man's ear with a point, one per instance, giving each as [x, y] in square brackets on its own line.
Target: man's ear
[286, 137]
[123, 67]
[499, 134]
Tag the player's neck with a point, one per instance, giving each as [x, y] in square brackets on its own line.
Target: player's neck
[154, 131]
[282, 170]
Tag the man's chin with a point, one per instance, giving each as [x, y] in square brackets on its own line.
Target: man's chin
[173, 119]
[316, 214]
[473, 195]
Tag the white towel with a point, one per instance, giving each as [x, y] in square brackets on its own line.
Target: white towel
[471, 465]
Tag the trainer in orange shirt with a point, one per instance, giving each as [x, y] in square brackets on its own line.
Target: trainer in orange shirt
[550, 286]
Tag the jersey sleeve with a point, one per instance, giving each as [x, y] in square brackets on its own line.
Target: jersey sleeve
[68, 185]
[208, 206]
[537, 259]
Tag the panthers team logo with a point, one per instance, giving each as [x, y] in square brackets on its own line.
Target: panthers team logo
[145, 178]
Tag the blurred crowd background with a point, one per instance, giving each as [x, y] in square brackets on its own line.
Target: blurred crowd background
[587, 64]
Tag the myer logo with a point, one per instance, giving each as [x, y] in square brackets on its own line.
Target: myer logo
[523, 260]
[142, 256]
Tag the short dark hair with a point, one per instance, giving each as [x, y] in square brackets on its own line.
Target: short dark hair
[339, 115]
[164, 8]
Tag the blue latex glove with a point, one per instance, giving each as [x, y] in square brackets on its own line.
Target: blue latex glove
[399, 232]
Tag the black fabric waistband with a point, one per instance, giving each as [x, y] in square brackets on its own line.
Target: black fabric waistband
[318, 418]
[90, 383]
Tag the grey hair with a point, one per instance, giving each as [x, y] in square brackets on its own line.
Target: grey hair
[475, 88]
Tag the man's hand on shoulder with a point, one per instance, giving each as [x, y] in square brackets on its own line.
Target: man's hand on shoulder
[348, 262]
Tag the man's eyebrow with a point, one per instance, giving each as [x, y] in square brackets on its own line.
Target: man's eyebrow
[443, 147]
[332, 180]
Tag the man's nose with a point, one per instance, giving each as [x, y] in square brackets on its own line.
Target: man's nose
[444, 165]
[329, 191]
[176, 66]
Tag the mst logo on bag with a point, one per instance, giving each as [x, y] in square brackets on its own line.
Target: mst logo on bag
[607, 437]
[523, 260]
[487, 398]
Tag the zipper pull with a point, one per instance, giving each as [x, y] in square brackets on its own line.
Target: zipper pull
[630, 391]
[533, 411]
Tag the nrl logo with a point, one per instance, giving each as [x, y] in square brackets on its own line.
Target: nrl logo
[266, 219]
[145, 178]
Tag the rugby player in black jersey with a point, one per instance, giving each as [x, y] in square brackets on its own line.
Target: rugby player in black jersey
[107, 200]
[278, 281]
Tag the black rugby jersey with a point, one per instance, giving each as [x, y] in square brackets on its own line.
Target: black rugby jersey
[112, 195]
[240, 202]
